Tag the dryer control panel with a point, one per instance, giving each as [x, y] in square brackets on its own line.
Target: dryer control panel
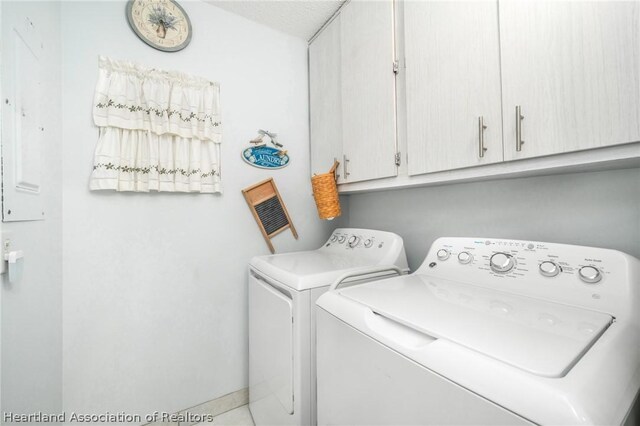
[384, 247]
[601, 279]
[361, 239]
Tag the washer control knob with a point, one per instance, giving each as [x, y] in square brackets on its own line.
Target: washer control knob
[353, 241]
[502, 262]
[368, 243]
[341, 239]
[590, 274]
[549, 268]
[443, 254]
[334, 238]
[465, 257]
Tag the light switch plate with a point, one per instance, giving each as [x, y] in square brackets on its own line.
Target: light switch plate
[7, 238]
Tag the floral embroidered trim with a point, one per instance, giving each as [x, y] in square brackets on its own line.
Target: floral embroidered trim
[158, 112]
[162, 171]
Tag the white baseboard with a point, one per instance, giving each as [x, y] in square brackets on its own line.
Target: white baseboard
[208, 409]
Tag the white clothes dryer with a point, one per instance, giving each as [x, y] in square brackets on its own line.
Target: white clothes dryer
[486, 331]
[283, 289]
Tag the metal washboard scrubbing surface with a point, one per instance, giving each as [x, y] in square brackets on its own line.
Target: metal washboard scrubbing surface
[325, 192]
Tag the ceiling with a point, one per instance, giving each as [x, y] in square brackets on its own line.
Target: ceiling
[300, 18]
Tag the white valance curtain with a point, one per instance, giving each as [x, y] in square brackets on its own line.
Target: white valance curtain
[158, 130]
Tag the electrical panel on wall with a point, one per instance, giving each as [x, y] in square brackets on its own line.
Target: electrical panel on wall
[23, 132]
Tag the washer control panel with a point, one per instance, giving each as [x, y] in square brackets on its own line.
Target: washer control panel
[591, 277]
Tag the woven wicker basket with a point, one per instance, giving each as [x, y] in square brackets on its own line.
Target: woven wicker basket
[325, 192]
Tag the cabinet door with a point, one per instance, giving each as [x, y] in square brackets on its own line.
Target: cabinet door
[574, 69]
[325, 98]
[453, 79]
[368, 90]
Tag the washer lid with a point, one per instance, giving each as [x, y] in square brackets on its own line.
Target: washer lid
[309, 269]
[543, 338]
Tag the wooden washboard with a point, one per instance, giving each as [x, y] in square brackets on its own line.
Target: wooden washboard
[269, 210]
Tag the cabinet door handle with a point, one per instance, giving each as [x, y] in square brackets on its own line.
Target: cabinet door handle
[335, 159]
[346, 161]
[481, 127]
[519, 118]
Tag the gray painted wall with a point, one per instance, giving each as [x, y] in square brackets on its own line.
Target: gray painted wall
[155, 285]
[600, 209]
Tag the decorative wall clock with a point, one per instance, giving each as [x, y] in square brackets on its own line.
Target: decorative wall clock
[162, 24]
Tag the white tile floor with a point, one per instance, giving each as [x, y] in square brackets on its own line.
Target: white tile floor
[237, 417]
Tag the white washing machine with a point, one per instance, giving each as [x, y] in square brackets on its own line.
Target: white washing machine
[486, 331]
[283, 289]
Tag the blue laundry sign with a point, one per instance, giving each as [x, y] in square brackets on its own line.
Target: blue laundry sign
[265, 157]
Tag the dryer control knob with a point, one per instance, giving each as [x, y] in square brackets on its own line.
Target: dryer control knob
[502, 262]
[368, 243]
[341, 239]
[549, 268]
[590, 274]
[443, 254]
[353, 241]
[334, 238]
[465, 257]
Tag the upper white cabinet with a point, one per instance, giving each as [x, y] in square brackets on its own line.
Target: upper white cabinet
[573, 68]
[454, 116]
[479, 84]
[368, 90]
[352, 93]
[325, 92]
